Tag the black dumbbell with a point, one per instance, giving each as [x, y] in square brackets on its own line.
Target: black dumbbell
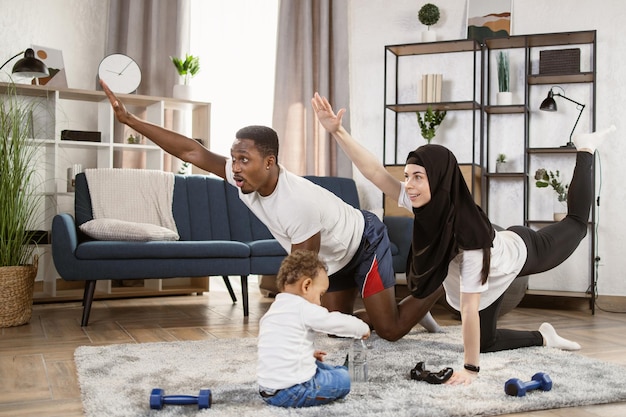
[158, 399]
[518, 388]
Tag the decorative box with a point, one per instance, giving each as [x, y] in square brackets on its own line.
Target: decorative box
[559, 61]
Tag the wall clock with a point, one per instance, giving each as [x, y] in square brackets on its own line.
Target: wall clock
[121, 73]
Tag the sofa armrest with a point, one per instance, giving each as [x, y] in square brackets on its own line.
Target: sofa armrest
[64, 242]
[399, 229]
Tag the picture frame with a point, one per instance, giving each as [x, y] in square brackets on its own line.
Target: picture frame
[53, 58]
[488, 19]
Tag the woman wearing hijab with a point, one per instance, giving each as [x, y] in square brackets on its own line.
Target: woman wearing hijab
[455, 244]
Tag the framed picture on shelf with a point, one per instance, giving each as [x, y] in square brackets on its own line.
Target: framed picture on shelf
[53, 58]
[488, 19]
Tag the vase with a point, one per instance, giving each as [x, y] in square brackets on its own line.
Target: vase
[504, 98]
[429, 36]
[183, 92]
[501, 167]
[560, 210]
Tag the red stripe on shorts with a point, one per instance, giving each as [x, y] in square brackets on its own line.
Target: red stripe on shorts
[373, 283]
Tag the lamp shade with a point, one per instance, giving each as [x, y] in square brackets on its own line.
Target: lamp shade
[548, 104]
[30, 67]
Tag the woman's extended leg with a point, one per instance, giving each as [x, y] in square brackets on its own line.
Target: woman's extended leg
[553, 244]
[547, 248]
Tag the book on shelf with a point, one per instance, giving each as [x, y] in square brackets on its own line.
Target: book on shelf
[431, 88]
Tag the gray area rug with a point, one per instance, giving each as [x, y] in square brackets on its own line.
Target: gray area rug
[117, 380]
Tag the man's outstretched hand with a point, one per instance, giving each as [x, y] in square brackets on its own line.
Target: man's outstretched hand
[118, 107]
[325, 114]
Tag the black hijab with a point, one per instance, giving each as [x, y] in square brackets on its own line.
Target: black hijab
[449, 222]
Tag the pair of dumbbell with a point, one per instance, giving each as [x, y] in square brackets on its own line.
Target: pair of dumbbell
[158, 399]
[519, 388]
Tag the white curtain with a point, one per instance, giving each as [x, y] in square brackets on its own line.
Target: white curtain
[312, 55]
[150, 31]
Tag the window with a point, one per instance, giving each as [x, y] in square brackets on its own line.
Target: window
[236, 43]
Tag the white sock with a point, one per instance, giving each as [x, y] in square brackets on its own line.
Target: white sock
[592, 140]
[429, 323]
[552, 339]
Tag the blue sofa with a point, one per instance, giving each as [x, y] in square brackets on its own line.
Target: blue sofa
[219, 236]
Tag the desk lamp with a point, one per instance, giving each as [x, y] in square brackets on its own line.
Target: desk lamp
[550, 105]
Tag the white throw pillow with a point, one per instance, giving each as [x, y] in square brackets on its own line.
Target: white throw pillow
[113, 229]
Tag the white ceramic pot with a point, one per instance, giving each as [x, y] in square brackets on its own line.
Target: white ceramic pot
[504, 98]
[429, 36]
[183, 92]
[560, 210]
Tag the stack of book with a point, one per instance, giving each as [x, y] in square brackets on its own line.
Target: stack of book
[431, 88]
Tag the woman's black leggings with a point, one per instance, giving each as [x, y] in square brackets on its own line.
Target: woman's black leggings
[547, 248]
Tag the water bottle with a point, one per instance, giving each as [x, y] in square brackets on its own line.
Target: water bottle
[358, 361]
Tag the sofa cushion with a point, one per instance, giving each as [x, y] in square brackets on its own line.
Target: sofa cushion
[100, 249]
[114, 229]
[266, 247]
[200, 209]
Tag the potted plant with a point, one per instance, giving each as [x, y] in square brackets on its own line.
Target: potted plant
[19, 208]
[429, 15]
[430, 122]
[504, 96]
[187, 69]
[501, 163]
[552, 179]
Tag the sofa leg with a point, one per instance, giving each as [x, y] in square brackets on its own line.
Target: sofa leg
[229, 288]
[90, 288]
[244, 294]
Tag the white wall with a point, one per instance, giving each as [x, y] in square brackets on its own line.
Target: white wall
[77, 27]
[376, 23]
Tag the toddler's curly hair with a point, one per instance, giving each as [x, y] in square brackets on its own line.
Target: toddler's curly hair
[301, 263]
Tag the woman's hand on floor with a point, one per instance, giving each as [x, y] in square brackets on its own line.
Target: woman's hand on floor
[462, 377]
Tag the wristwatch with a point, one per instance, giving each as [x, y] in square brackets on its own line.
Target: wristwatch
[471, 367]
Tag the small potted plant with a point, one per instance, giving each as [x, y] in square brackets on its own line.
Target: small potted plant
[187, 69]
[430, 122]
[501, 163]
[429, 15]
[552, 179]
[504, 96]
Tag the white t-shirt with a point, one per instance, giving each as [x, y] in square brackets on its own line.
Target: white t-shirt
[298, 209]
[508, 256]
[286, 336]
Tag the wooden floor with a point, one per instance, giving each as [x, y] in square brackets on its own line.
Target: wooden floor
[38, 376]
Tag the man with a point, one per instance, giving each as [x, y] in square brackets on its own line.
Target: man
[301, 215]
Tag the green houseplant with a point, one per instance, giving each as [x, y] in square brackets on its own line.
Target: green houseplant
[19, 207]
[552, 179]
[187, 68]
[502, 61]
[504, 96]
[501, 163]
[430, 122]
[429, 15]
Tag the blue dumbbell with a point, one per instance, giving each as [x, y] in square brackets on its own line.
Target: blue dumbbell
[518, 388]
[158, 399]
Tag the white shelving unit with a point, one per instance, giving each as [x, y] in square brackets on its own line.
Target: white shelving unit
[58, 109]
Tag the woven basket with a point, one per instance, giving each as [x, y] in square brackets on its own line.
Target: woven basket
[16, 294]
